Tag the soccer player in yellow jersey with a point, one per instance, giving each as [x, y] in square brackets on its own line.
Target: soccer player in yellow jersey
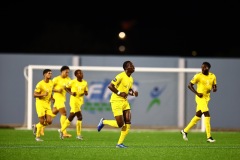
[206, 81]
[77, 88]
[121, 87]
[59, 82]
[43, 95]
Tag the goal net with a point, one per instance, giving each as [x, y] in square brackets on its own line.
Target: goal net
[162, 100]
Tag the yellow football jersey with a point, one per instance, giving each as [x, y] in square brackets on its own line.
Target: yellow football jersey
[79, 88]
[44, 87]
[122, 83]
[204, 83]
[60, 83]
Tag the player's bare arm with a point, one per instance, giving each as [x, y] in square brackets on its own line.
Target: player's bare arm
[57, 90]
[69, 91]
[190, 86]
[113, 89]
[214, 88]
[39, 95]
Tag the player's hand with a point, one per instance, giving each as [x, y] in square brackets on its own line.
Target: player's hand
[135, 93]
[200, 95]
[73, 94]
[214, 89]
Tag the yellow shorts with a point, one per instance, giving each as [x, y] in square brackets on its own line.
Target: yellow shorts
[119, 106]
[43, 109]
[75, 106]
[202, 104]
[59, 103]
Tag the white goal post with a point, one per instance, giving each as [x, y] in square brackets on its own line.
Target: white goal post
[28, 74]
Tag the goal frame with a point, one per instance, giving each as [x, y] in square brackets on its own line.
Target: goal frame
[28, 74]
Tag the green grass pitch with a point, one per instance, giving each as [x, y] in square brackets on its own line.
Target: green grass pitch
[142, 145]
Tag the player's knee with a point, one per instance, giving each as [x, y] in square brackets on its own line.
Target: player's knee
[206, 114]
[120, 124]
[42, 121]
[64, 114]
[49, 122]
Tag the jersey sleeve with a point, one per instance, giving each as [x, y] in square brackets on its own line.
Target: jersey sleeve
[194, 80]
[117, 80]
[55, 81]
[38, 88]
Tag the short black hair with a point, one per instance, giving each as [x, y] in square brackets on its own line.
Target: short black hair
[208, 64]
[46, 71]
[64, 68]
[75, 73]
[125, 64]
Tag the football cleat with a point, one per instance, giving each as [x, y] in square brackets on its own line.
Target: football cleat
[38, 139]
[66, 135]
[60, 134]
[80, 137]
[100, 125]
[211, 140]
[121, 146]
[34, 129]
[184, 134]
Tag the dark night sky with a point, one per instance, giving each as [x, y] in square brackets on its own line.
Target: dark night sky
[171, 28]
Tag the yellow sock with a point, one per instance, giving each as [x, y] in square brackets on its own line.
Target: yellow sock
[39, 128]
[208, 126]
[79, 127]
[62, 120]
[112, 123]
[65, 125]
[43, 127]
[194, 121]
[124, 132]
[42, 130]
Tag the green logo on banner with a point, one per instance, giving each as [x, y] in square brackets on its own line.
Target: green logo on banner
[155, 93]
[153, 102]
